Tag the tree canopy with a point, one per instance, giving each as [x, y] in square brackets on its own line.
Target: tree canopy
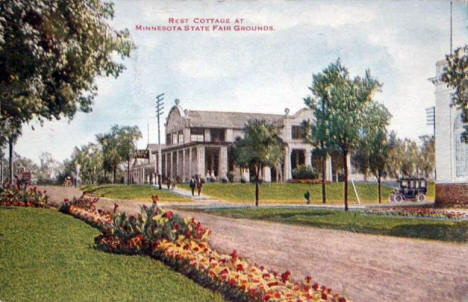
[455, 74]
[346, 102]
[51, 53]
[260, 147]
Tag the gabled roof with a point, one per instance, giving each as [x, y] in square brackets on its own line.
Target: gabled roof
[221, 119]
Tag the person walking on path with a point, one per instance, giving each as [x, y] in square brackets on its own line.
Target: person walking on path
[199, 185]
[192, 185]
[307, 197]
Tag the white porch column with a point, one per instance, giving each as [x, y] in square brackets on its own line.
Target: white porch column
[171, 159]
[183, 166]
[201, 161]
[308, 157]
[190, 163]
[266, 171]
[223, 162]
[245, 175]
[328, 168]
[287, 173]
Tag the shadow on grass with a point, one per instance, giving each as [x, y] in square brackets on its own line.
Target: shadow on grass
[457, 233]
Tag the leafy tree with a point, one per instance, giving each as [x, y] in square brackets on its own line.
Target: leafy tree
[427, 155]
[127, 137]
[261, 146]
[317, 132]
[51, 52]
[89, 159]
[374, 146]
[395, 155]
[348, 101]
[455, 75]
[111, 156]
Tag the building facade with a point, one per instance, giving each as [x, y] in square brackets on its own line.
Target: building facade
[451, 153]
[197, 143]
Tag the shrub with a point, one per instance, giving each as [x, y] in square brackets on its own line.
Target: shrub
[230, 176]
[304, 172]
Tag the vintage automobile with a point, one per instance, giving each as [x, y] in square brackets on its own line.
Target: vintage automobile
[413, 189]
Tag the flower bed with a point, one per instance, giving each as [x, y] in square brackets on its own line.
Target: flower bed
[419, 213]
[236, 278]
[13, 195]
[183, 244]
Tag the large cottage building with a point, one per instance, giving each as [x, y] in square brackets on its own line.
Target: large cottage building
[450, 152]
[197, 143]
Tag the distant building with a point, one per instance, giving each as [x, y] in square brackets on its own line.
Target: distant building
[450, 152]
[197, 142]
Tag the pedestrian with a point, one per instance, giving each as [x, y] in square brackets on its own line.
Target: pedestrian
[307, 197]
[173, 183]
[199, 185]
[168, 183]
[192, 185]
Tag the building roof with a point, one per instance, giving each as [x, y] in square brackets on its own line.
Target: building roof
[221, 119]
[154, 146]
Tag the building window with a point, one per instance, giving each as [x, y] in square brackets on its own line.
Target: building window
[196, 135]
[461, 149]
[168, 139]
[297, 132]
[217, 135]
[181, 137]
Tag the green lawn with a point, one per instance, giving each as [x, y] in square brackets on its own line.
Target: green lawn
[356, 222]
[49, 256]
[294, 193]
[132, 192]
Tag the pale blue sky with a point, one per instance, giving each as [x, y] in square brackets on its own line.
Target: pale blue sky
[400, 41]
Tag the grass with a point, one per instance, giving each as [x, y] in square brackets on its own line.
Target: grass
[133, 192]
[456, 231]
[49, 256]
[294, 193]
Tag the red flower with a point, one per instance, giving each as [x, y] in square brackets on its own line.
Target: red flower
[168, 214]
[234, 255]
[240, 267]
[116, 206]
[285, 276]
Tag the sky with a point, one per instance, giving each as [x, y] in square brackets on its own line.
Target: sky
[267, 71]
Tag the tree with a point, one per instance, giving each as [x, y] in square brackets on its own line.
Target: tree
[427, 155]
[260, 147]
[374, 146]
[317, 132]
[51, 53]
[127, 137]
[111, 156]
[455, 75]
[395, 155]
[348, 99]
[89, 159]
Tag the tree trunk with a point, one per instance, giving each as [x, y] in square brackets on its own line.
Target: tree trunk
[324, 176]
[105, 176]
[128, 171]
[345, 155]
[114, 172]
[379, 188]
[1, 170]
[257, 173]
[11, 160]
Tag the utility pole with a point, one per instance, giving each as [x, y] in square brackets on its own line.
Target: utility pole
[159, 112]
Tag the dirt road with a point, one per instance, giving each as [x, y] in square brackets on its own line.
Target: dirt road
[359, 266]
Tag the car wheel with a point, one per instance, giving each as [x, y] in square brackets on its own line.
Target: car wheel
[398, 198]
